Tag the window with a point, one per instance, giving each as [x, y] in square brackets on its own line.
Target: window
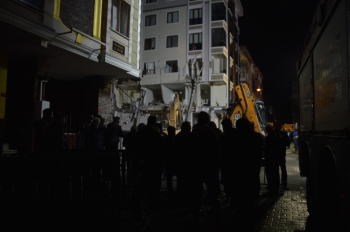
[218, 37]
[218, 64]
[171, 66]
[120, 17]
[173, 17]
[195, 41]
[150, 20]
[150, 1]
[150, 44]
[171, 41]
[148, 68]
[196, 16]
[218, 11]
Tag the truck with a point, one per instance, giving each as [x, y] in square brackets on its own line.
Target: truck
[246, 106]
[324, 113]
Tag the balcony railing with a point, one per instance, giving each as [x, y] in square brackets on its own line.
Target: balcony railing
[195, 46]
[196, 21]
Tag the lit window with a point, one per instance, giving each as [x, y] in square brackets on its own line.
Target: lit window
[195, 41]
[171, 66]
[150, 20]
[120, 17]
[148, 68]
[150, 44]
[172, 41]
[173, 17]
[196, 16]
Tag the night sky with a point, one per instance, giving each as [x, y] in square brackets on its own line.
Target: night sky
[274, 32]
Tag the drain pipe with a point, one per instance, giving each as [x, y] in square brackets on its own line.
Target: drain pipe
[41, 88]
[113, 98]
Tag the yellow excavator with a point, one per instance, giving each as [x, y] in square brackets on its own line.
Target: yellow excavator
[175, 113]
[246, 106]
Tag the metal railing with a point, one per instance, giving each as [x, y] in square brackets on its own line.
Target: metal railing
[71, 187]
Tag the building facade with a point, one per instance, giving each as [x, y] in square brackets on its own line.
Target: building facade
[189, 50]
[64, 55]
[250, 73]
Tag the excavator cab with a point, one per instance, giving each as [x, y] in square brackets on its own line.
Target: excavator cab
[246, 107]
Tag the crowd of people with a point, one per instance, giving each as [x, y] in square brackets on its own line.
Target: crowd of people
[94, 135]
[197, 155]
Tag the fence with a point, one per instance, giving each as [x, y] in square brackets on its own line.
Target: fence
[71, 189]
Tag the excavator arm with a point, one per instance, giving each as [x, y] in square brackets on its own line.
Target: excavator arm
[245, 107]
[175, 113]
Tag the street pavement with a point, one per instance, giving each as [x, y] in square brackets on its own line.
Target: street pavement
[288, 212]
[285, 213]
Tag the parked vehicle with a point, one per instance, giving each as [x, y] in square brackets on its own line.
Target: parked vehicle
[324, 120]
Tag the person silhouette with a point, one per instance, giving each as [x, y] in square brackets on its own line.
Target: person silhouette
[205, 161]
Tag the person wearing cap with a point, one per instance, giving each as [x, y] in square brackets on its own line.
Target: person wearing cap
[285, 139]
[113, 133]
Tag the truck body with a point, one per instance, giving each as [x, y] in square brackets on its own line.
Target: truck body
[324, 117]
[247, 107]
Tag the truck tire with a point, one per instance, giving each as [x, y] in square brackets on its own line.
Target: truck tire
[323, 194]
[311, 200]
[329, 186]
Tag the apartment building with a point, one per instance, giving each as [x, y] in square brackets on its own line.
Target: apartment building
[64, 55]
[189, 50]
[250, 73]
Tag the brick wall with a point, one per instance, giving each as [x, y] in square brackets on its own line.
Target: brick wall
[104, 105]
[78, 14]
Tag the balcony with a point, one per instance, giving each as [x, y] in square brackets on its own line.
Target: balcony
[219, 51]
[195, 28]
[219, 24]
[219, 78]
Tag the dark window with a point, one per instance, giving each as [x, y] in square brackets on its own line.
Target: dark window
[196, 16]
[150, 44]
[37, 4]
[173, 17]
[171, 66]
[195, 41]
[172, 41]
[150, 1]
[120, 17]
[148, 68]
[218, 37]
[150, 20]
[218, 12]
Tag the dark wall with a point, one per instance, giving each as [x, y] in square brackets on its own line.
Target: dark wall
[78, 14]
[20, 103]
[77, 99]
